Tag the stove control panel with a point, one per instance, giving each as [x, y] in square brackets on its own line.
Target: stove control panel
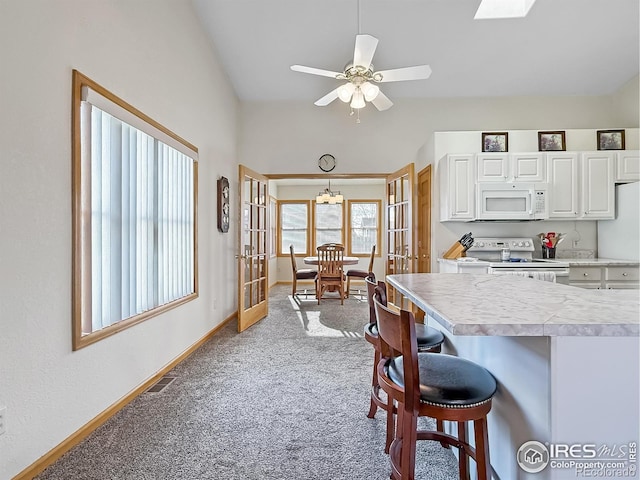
[491, 244]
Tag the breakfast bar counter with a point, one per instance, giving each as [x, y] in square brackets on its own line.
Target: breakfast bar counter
[469, 304]
[566, 360]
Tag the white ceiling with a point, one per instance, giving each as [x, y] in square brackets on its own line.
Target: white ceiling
[563, 47]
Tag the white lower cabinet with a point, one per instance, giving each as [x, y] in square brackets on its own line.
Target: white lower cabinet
[605, 276]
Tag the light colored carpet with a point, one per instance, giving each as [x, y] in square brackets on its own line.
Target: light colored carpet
[287, 399]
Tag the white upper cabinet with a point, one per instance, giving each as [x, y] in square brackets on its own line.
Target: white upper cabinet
[581, 185]
[492, 167]
[563, 184]
[457, 188]
[510, 167]
[528, 167]
[598, 185]
[628, 166]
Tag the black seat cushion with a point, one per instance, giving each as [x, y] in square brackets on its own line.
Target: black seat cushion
[428, 337]
[371, 329]
[447, 380]
[305, 273]
[357, 273]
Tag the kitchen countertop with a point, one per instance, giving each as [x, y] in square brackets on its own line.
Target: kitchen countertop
[597, 262]
[505, 305]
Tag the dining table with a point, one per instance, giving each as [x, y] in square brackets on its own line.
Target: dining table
[345, 260]
[565, 359]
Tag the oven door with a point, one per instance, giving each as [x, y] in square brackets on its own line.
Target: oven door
[511, 201]
[556, 275]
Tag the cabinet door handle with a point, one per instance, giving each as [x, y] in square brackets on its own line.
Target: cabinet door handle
[585, 274]
[625, 274]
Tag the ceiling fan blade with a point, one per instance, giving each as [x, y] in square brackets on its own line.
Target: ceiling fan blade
[365, 48]
[315, 71]
[382, 102]
[419, 72]
[327, 99]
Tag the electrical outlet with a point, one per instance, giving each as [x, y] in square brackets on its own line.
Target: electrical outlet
[3, 420]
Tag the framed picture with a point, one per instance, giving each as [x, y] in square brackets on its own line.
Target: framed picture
[495, 142]
[223, 204]
[610, 139]
[551, 141]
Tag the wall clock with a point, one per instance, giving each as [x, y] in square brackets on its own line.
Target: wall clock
[223, 204]
[327, 162]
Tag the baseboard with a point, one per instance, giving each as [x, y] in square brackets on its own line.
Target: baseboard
[49, 458]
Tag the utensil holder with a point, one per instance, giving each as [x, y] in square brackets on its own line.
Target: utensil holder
[548, 252]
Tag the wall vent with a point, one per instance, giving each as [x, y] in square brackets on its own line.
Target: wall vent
[160, 384]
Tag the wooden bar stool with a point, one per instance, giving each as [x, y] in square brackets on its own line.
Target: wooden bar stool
[440, 386]
[429, 340]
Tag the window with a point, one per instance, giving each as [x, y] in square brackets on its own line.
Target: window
[363, 220]
[328, 223]
[293, 219]
[134, 204]
[364, 226]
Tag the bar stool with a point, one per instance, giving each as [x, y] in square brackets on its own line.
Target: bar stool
[440, 386]
[429, 340]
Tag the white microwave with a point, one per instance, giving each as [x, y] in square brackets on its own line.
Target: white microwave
[512, 201]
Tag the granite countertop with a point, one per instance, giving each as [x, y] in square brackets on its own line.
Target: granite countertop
[506, 305]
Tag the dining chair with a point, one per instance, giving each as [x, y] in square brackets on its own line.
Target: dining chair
[429, 340]
[299, 274]
[355, 273]
[435, 385]
[330, 270]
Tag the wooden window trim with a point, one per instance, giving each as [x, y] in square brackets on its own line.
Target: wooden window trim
[378, 232]
[279, 222]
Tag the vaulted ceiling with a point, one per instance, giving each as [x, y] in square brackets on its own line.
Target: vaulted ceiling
[563, 47]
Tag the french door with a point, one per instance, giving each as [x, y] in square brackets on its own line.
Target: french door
[253, 285]
[400, 256]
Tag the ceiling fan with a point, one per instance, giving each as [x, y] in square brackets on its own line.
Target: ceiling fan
[361, 78]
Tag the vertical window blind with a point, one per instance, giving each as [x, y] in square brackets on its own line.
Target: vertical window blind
[141, 218]
[138, 216]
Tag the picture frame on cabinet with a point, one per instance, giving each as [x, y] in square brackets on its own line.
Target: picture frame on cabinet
[610, 139]
[552, 141]
[495, 142]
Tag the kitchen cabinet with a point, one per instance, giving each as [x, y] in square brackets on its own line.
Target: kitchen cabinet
[627, 166]
[605, 276]
[581, 185]
[457, 188]
[510, 167]
[598, 185]
[563, 184]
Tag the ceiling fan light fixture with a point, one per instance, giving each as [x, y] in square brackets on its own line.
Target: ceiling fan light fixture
[345, 92]
[370, 91]
[358, 99]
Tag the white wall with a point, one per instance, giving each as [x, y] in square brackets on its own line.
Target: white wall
[288, 137]
[155, 56]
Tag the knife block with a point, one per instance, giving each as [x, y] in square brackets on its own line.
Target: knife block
[456, 251]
